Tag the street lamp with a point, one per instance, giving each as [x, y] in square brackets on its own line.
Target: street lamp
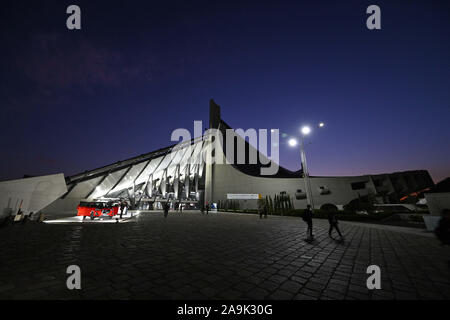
[309, 197]
[305, 130]
[292, 142]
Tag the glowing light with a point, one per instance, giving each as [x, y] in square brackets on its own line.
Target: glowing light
[306, 130]
[321, 125]
[292, 142]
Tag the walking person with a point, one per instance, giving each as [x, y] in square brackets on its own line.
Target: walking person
[263, 211]
[307, 217]
[122, 208]
[207, 208]
[332, 219]
[166, 209]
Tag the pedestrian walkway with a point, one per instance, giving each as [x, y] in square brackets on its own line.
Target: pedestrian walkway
[413, 231]
[218, 256]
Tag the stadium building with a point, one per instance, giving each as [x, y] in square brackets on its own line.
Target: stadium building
[184, 173]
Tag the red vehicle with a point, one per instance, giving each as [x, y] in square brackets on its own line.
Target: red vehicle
[97, 209]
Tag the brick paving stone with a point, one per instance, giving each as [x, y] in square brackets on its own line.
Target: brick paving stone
[301, 296]
[226, 256]
[269, 285]
[244, 286]
[257, 294]
[281, 295]
[315, 286]
[291, 286]
[278, 278]
[311, 293]
[338, 288]
[299, 279]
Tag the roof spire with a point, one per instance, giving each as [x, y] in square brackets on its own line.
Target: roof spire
[214, 114]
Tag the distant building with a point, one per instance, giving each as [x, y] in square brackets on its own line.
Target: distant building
[169, 174]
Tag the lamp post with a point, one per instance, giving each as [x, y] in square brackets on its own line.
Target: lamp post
[309, 197]
[293, 142]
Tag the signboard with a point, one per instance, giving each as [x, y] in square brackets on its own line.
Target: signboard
[243, 196]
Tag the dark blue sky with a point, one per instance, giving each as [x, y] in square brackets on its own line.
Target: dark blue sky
[76, 100]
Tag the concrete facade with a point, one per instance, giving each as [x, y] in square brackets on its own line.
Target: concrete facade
[437, 202]
[30, 194]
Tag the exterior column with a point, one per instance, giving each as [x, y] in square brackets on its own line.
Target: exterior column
[214, 123]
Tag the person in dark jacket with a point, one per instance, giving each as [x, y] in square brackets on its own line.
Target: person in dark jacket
[122, 208]
[263, 211]
[332, 219]
[166, 209]
[307, 217]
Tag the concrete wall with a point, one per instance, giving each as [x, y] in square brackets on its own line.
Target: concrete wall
[227, 179]
[62, 208]
[34, 193]
[437, 202]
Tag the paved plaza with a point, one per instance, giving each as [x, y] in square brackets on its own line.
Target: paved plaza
[219, 256]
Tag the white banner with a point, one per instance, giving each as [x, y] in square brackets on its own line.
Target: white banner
[243, 196]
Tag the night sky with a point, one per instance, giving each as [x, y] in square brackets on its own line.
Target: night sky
[76, 100]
